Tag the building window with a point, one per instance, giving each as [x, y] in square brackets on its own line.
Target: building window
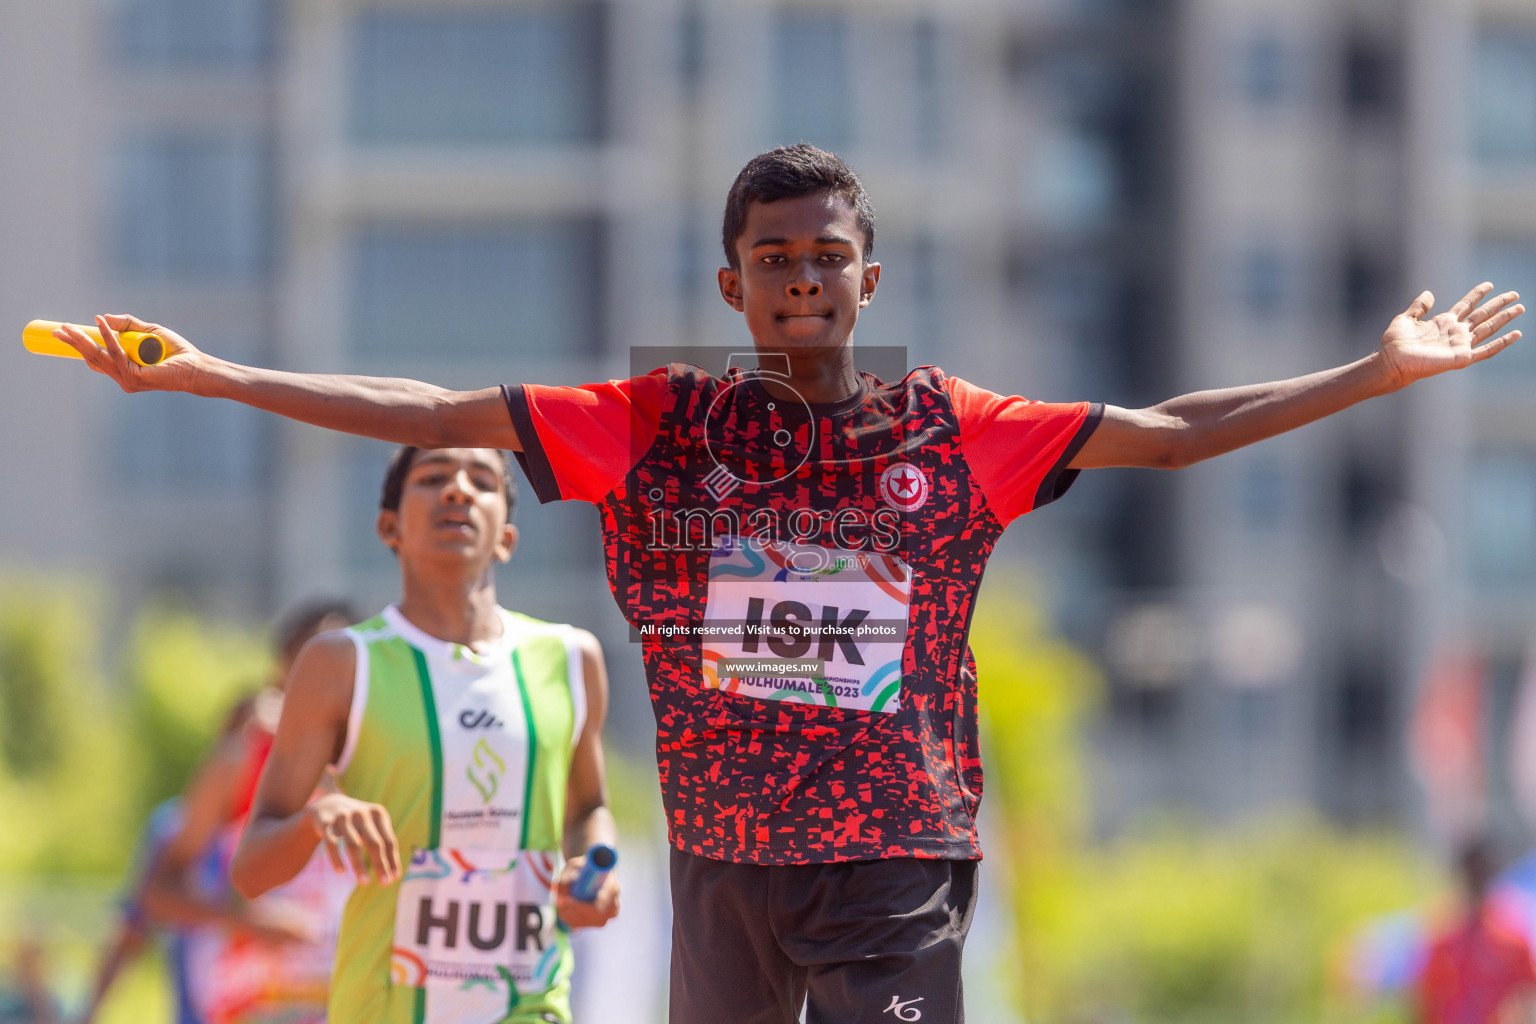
[195, 207]
[195, 32]
[1262, 492]
[1504, 99]
[478, 291]
[1264, 75]
[813, 81]
[690, 46]
[499, 76]
[179, 442]
[1372, 78]
[1265, 280]
[928, 112]
[1511, 266]
[1502, 518]
[1075, 179]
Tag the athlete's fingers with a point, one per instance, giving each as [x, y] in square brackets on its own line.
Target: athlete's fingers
[127, 322]
[391, 843]
[110, 341]
[355, 848]
[1421, 305]
[329, 841]
[1489, 349]
[373, 843]
[1466, 302]
[84, 344]
[1491, 307]
[1494, 324]
[607, 902]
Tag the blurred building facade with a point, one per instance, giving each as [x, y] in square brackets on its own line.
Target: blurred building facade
[1107, 199]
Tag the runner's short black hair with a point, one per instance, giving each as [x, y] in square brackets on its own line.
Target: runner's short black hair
[790, 172]
[299, 622]
[400, 464]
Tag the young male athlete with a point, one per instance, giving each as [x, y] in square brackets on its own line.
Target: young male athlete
[799, 546]
[465, 735]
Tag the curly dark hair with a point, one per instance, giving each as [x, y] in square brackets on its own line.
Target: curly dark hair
[790, 172]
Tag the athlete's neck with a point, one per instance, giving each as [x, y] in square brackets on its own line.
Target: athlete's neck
[820, 378]
[454, 610]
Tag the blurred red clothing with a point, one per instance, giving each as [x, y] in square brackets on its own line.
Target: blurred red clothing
[1474, 970]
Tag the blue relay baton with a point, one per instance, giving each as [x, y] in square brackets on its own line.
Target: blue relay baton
[600, 860]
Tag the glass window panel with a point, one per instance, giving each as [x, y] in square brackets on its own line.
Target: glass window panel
[195, 206]
[1502, 518]
[1264, 71]
[813, 80]
[1504, 98]
[184, 443]
[1075, 179]
[1266, 280]
[192, 32]
[524, 74]
[477, 290]
[1511, 266]
[928, 114]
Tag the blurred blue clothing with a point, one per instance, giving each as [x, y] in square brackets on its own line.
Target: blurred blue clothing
[164, 822]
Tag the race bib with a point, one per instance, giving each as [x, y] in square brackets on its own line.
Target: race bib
[804, 623]
[475, 928]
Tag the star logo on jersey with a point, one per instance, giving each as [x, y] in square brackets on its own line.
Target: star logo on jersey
[904, 487]
[485, 770]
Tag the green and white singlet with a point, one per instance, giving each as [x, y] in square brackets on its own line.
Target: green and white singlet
[470, 752]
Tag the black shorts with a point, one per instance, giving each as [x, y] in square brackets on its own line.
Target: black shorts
[876, 941]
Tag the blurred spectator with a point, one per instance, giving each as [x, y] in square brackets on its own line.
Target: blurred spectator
[1480, 969]
[24, 997]
[229, 959]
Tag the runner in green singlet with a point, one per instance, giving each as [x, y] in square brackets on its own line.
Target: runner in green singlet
[467, 743]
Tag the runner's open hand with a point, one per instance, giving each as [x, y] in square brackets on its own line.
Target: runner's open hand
[173, 373]
[359, 834]
[574, 912]
[1415, 347]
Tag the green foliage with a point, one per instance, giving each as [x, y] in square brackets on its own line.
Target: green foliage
[1177, 922]
[34, 645]
[82, 761]
[185, 675]
[68, 768]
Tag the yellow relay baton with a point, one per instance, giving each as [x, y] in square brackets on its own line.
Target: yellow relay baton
[142, 347]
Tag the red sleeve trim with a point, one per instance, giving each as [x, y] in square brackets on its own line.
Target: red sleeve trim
[1019, 449]
[536, 467]
[1060, 478]
[579, 442]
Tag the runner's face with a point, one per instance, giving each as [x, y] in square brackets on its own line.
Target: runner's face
[453, 509]
[803, 278]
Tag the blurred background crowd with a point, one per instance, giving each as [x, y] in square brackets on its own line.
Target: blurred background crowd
[1239, 720]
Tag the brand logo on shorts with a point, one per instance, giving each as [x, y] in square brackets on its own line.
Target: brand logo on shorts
[904, 487]
[904, 1010]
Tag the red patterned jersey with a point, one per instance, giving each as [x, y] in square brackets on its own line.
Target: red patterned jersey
[801, 579]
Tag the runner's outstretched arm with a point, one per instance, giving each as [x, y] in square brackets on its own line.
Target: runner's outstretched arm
[286, 825]
[388, 408]
[1190, 428]
[587, 819]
